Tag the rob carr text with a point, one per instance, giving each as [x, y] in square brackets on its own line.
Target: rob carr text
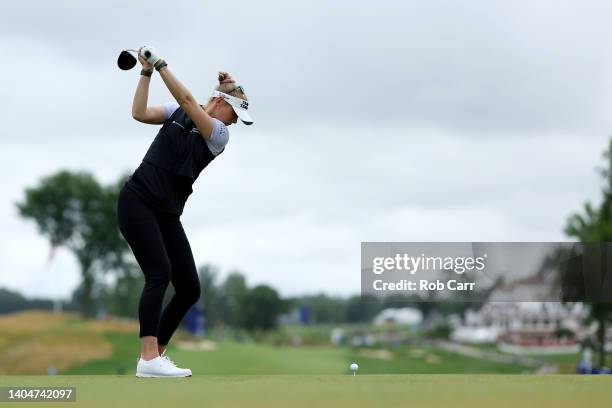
[423, 284]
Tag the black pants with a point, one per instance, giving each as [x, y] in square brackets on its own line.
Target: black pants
[162, 250]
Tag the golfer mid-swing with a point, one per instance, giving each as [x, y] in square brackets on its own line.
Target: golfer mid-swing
[152, 200]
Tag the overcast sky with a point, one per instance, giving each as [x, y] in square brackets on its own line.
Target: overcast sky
[375, 121]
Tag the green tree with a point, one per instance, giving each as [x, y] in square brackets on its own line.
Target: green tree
[212, 297]
[261, 308]
[323, 308]
[74, 211]
[234, 290]
[122, 297]
[362, 309]
[594, 225]
[11, 301]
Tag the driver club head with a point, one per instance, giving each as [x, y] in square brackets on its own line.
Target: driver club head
[126, 60]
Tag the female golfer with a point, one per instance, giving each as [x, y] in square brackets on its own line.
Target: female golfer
[151, 201]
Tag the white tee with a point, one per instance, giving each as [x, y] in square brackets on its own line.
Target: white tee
[219, 136]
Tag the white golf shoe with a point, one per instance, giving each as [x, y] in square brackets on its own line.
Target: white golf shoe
[160, 367]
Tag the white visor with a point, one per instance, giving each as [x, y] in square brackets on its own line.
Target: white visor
[240, 106]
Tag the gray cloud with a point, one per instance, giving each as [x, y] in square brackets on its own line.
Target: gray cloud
[480, 66]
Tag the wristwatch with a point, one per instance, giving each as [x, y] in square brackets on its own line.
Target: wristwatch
[146, 72]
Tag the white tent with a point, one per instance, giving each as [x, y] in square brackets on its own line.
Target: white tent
[404, 316]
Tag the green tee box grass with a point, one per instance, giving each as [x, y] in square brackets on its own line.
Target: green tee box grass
[336, 391]
[251, 358]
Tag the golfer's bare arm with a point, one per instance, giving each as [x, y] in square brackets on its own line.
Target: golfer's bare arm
[186, 100]
[154, 115]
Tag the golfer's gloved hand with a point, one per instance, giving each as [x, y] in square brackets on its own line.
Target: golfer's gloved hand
[144, 63]
[149, 55]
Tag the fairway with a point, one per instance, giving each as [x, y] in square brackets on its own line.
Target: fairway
[329, 390]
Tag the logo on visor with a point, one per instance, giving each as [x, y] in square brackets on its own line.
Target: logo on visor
[244, 105]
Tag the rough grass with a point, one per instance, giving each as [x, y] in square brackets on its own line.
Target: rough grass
[32, 341]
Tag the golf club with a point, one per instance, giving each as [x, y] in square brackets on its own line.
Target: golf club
[126, 61]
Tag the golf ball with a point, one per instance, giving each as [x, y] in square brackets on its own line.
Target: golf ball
[354, 367]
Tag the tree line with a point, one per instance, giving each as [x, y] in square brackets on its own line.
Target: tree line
[76, 212]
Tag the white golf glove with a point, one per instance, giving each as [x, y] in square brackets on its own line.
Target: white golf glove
[149, 55]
